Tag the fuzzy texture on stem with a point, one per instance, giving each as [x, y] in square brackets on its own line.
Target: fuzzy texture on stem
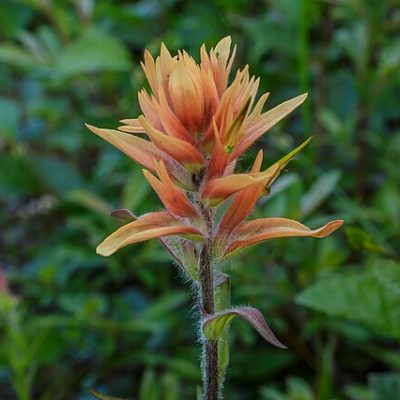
[207, 307]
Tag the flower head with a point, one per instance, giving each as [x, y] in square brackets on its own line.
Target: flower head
[197, 126]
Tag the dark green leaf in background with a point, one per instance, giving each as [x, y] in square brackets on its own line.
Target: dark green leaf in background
[370, 296]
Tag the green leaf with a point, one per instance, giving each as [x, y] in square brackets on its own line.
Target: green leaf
[298, 388]
[58, 175]
[16, 55]
[168, 303]
[93, 51]
[136, 190]
[222, 286]
[16, 176]
[9, 115]
[272, 394]
[370, 296]
[149, 387]
[101, 396]
[223, 301]
[214, 325]
[390, 57]
[360, 239]
[320, 190]
[357, 392]
[170, 386]
[90, 201]
[385, 386]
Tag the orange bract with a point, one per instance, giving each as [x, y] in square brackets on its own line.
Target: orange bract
[198, 125]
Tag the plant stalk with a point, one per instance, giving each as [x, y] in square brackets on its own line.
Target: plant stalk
[207, 306]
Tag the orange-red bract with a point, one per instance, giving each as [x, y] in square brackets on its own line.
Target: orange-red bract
[197, 126]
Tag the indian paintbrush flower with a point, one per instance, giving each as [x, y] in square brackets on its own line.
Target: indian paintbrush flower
[198, 125]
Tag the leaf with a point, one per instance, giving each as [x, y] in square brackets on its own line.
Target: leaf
[357, 392]
[360, 239]
[222, 286]
[370, 296]
[168, 303]
[390, 57]
[149, 387]
[10, 113]
[93, 51]
[136, 190]
[298, 388]
[170, 385]
[13, 17]
[385, 386]
[16, 55]
[214, 325]
[17, 177]
[56, 174]
[101, 396]
[89, 200]
[320, 190]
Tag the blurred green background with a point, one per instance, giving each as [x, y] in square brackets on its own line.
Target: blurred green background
[125, 325]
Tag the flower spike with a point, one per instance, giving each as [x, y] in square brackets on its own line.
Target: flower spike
[198, 124]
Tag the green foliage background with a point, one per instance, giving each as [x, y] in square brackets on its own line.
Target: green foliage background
[124, 325]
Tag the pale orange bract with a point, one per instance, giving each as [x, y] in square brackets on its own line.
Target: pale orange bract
[198, 125]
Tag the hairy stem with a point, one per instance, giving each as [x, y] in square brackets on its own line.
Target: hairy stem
[207, 306]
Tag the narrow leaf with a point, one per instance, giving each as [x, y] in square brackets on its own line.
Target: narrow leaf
[222, 287]
[323, 187]
[214, 325]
